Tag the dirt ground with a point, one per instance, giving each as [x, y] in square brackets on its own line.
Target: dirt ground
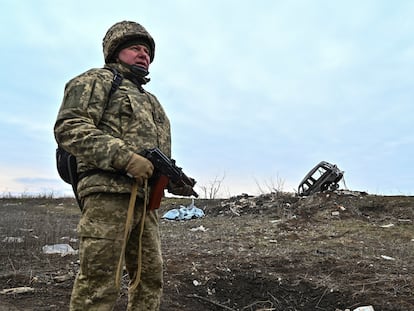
[330, 251]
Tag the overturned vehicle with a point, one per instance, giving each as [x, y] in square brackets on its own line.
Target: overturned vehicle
[324, 176]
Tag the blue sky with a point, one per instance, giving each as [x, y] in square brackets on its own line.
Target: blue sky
[257, 94]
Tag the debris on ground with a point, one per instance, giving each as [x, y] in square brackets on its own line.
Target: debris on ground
[276, 251]
[13, 239]
[184, 213]
[17, 290]
[62, 249]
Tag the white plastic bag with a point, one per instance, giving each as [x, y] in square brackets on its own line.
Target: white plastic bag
[62, 249]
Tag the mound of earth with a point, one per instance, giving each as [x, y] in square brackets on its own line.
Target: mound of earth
[329, 251]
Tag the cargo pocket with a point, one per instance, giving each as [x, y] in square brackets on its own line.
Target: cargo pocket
[93, 228]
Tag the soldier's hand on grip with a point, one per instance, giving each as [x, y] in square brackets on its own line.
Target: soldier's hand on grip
[140, 168]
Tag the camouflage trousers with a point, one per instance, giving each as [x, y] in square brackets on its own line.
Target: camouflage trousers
[101, 229]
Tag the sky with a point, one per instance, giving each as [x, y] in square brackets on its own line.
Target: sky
[257, 92]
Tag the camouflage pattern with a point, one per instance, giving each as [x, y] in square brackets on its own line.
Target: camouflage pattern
[122, 32]
[103, 133]
[101, 230]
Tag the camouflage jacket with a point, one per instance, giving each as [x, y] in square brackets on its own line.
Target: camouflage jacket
[104, 132]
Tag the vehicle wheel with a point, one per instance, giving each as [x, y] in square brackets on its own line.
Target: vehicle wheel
[334, 187]
[324, 187]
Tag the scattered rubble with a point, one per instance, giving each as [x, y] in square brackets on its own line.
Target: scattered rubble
[13, 239]
[274, 251]
[62, 249]
[17, 290]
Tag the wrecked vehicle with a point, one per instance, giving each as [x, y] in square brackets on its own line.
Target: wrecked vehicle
[324, 176]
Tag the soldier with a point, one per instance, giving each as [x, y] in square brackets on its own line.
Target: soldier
[106, 131]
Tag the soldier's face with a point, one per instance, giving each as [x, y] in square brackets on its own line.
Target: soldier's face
[135, 55]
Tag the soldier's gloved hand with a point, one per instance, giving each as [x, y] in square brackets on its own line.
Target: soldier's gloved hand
[139, 168]
[184, 190]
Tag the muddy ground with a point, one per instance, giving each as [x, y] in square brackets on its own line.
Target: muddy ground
[330, 251]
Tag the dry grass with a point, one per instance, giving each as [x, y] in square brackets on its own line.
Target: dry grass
[272, 252]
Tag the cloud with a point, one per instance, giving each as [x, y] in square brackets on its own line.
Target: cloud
[14, 180]
[251, 90]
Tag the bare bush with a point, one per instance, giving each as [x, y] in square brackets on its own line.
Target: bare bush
[212, 189]
[273, 185]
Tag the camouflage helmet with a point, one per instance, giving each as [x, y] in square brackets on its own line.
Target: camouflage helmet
[122, 32]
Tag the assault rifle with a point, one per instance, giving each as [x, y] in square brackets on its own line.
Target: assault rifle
[165, 170]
